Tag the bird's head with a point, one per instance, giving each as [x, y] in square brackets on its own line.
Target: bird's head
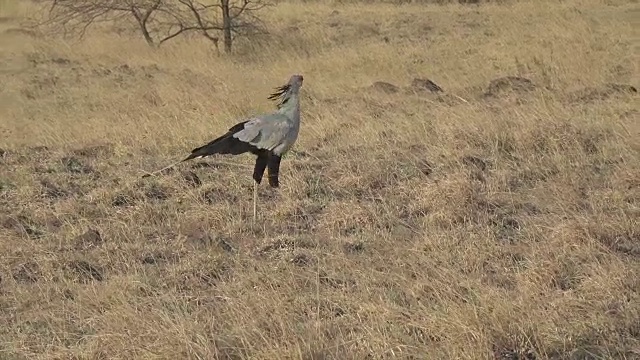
[285, 91]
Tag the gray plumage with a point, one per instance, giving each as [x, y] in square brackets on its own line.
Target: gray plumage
[274, 132]
[268, 136]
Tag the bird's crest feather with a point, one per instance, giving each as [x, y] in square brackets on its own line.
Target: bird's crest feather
[281, 94]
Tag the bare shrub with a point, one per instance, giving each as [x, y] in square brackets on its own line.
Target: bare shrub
[157, 20]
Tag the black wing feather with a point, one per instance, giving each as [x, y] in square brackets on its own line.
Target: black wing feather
[225, 144]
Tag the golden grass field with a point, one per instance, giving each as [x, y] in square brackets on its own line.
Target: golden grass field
[408, 225]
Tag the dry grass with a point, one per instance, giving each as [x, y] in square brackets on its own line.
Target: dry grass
[409, 225]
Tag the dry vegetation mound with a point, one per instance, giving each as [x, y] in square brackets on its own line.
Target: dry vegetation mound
[484, 203]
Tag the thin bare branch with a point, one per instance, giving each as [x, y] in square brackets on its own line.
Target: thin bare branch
[159, 20]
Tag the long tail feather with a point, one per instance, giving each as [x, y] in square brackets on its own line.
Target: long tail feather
[163, 169]
[225, 144]
[218, 162]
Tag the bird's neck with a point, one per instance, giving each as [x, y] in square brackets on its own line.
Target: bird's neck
[291, 108]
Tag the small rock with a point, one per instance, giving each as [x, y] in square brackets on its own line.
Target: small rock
[425, 84]
[150, 259]
[385, 87]
[509, 83]
[91, 238]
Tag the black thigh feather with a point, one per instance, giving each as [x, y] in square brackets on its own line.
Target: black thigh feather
[273, 167]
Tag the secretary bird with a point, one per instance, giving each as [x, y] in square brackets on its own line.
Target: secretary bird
[268, 136]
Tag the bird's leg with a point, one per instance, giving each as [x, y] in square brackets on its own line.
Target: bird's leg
[258, 171]
[255, 201]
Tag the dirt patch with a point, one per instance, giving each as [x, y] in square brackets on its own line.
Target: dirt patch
[38, 58]
[84, 272]
[75, 165]
[52, 190]
[199, 237]
[26, 273]
[215, 195]
[123, 200]
[385, 87]
[94, 151]
[157, 192]
[303, 259]
[23, 226]
[356, 247]
[157, 258]
[604, 92]
[90, 239]
[191, 179]
[476, 162]
[509, 85]
[624, 241]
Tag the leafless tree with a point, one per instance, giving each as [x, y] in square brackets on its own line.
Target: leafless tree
[159, 20]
